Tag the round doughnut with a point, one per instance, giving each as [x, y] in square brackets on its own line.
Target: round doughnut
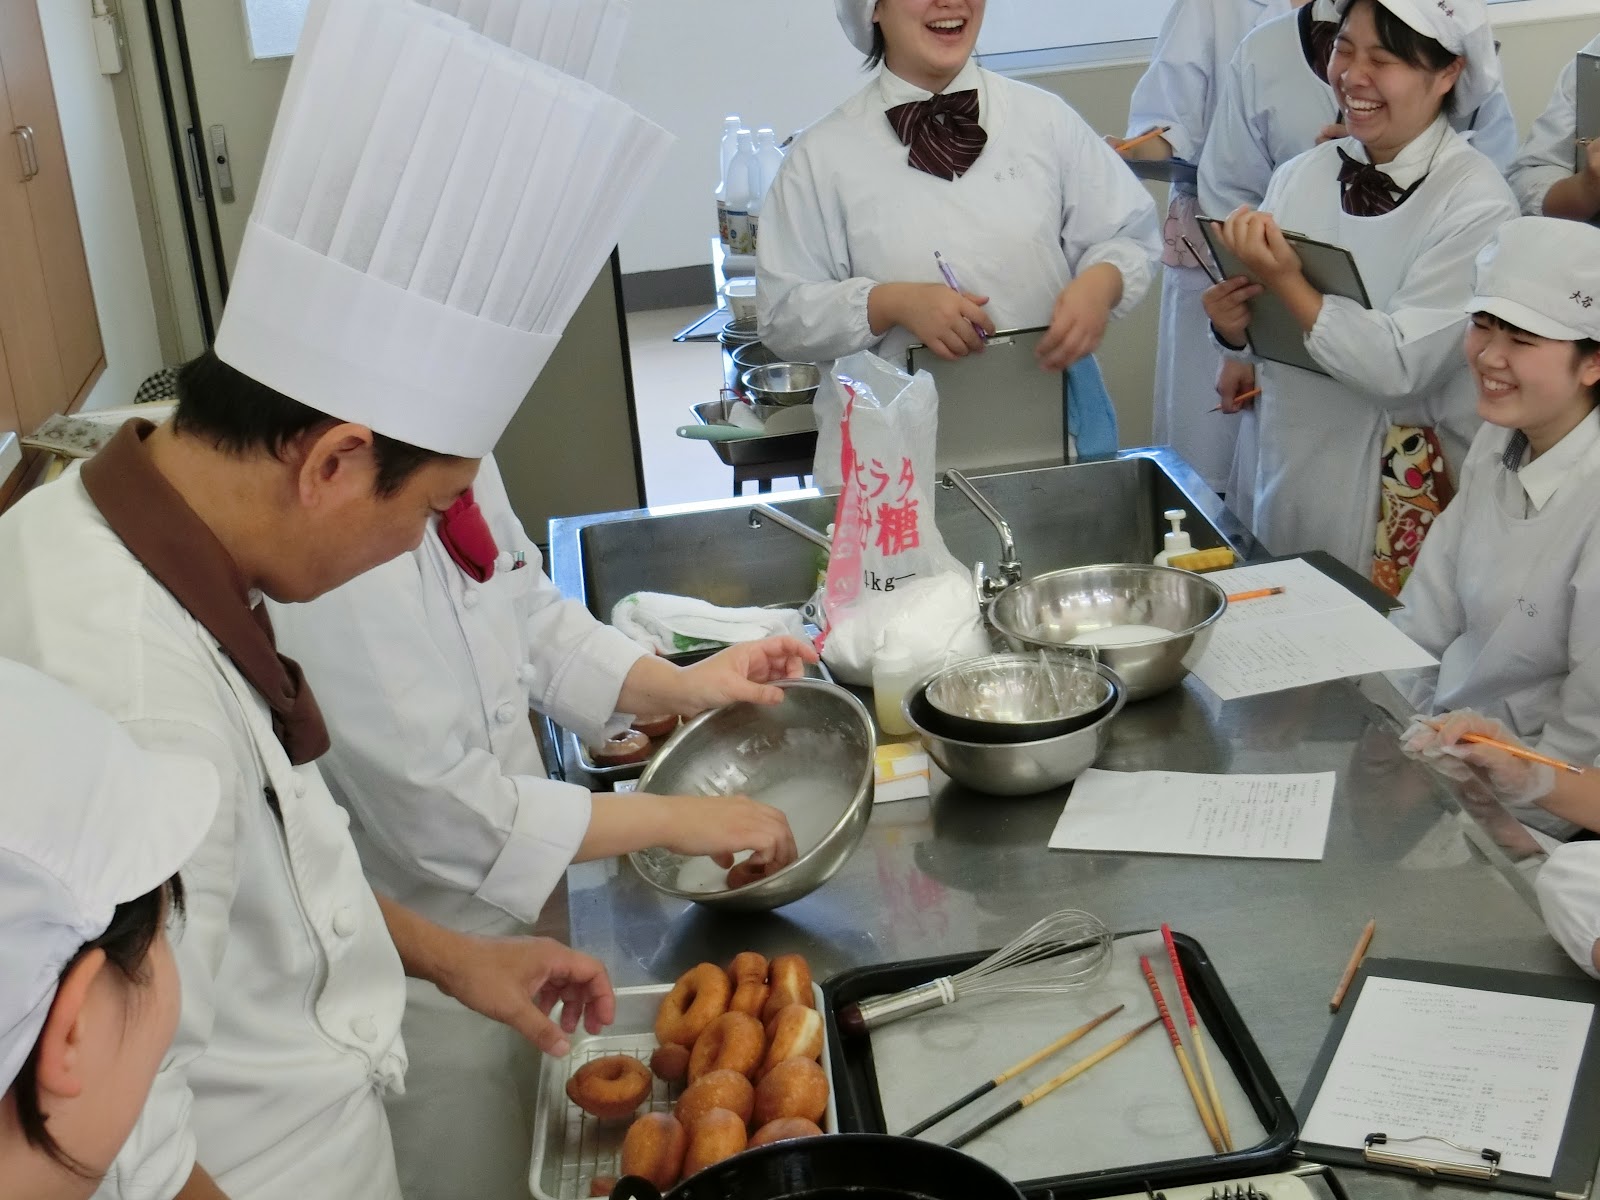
[790, 979]
[609, 1087]
[671, 1062]
[629, 746]
[734, 1042]
[796, 1087]
[748, 967]
[717, 1089]
[654, 1148]
[656, 727]
[784, 1129]
[602, 1185]
[749, 998]
[796, 1032]
[698, 998]
[719, 1134]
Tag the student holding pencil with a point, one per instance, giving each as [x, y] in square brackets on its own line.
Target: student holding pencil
[1543, 176]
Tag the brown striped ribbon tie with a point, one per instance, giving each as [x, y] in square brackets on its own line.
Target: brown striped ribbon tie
[1365, 191]
[942, 132]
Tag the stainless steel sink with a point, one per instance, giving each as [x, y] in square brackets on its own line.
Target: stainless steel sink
[1064, 516]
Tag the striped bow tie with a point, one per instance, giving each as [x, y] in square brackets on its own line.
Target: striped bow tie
[942, 132]
[1365, 191]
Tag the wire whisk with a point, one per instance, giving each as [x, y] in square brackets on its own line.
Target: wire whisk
[1067, 950]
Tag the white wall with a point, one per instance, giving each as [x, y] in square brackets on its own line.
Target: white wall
[104, 195]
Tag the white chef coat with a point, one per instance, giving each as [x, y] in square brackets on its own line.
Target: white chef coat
[1046, 200]
[1568, 885]
[425, 678]
[1314, 480]
[1549, 153]
[1272, 107]
[1179, 90]
[292, 989]
[1508, 599]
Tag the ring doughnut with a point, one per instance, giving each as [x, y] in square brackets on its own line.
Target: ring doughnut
[748, 967]
[790, 979]
[671, 1062]
[656, 727]
[796, 1033]
[629, 746]
[609, 1087]
[745, 873]
[718, 1089]
[783, 1130]
[749, 998]
[796, 1087]
[654, 1148]
[698, 998]
[734, 1042]
[720, 1134]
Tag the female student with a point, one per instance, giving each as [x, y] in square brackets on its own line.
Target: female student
[92, 833]
[1413, 203]
[1041, 221]
[1543, 175]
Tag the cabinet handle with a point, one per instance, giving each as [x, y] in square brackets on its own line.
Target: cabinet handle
[26, 154]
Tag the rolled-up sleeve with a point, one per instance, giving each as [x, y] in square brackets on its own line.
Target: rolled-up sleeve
[1548, 155]
[1109, 216]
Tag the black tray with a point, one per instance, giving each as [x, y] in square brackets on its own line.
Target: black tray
[856, 1090]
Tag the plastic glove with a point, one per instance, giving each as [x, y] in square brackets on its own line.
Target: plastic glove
[1515, 781]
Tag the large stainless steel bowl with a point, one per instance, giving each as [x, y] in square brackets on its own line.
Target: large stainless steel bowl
[1013, 768]
[810, 756]
[1011, 698]
[783, 383]
[1080, 603]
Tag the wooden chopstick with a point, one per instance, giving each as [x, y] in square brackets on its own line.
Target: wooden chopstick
[1483, 739]
[1044, 1089]
[1144, 137]
[1198, 1039]
[1257, 594]
[1032, 1060]
[1200, 1105]
[1345, 980]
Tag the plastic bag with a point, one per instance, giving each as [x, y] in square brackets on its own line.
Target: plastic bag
[889, 574]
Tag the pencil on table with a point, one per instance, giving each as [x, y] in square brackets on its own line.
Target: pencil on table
[1257, 594]
[1199, 1039]
[1353, 965]
[1144, 137]
[1200, 1105]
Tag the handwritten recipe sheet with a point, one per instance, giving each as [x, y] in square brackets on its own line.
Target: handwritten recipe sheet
[1171, 812]
[1485, 1069]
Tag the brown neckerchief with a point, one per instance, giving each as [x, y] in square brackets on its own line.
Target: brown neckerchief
[185, 557]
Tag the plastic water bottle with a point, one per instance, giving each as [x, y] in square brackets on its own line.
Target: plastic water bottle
[740, 191]
[730, 147]
[768, 159]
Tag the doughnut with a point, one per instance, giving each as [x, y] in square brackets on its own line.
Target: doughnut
[718, 1089]
[734, 1042]
[745, 873]
[796, 1032]
[748, 967]
[783, 1130]
[790, 979]
[719, 1134]
[671, 1062]
[629, 746]
[749, 998]
[698, 998]
[610, 1087]
[796, 1087]
[602, 1185]
[653, 1148]
[656, 727]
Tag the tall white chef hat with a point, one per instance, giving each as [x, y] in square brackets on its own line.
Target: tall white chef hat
[1461, 27]
[88, 821]
[433, 207]
[1542, 275]
[582, 38]
[856, 17]
[1569, 896]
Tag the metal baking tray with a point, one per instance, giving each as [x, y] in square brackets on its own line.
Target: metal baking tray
[747, 452]
[569, 1146]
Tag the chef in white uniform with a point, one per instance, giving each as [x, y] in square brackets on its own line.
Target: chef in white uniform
[1543, 176]
[1042, 222]
[1179, 90]
[92, 833]
[390, 307]
[1569, 896]
[1413, 203]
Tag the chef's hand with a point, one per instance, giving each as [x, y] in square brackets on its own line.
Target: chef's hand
[939, 317]
[1156, 149]
[1227, 305]
[518, 980]
[1234, 380]
[1437, 741]
[1260, 245]
[1332, 133]
[1082, 312]
[722, 826]
[742, 672]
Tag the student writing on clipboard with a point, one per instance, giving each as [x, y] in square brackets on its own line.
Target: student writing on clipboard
[1413, 202]
[1543, 176]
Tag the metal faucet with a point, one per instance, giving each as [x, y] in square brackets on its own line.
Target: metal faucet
[1010, 565]
[778, 517]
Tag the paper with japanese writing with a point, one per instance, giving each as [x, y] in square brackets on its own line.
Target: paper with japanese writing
[1485, 1069]
[1172, 812]
[1315, 631]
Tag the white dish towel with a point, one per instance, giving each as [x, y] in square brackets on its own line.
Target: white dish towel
[682, 624]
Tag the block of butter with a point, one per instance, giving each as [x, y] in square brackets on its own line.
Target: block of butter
[902, 772]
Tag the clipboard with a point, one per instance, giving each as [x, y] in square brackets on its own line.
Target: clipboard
[997, 408]
[1574, 1175]
[1274, 333]
[1166, 170]
[1587, 108]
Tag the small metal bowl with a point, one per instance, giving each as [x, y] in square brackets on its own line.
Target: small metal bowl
[1010, 768]
[810, 756]
[783, 383]
[1071, 606]
[997, 698]
[752, 354]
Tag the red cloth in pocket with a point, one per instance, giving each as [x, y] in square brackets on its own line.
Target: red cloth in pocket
[466, 537]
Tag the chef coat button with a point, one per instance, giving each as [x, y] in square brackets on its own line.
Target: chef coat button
[506, 713]
[470, 600]
[300, 786]
[525, 674]
[365, 1028]
[344, 922]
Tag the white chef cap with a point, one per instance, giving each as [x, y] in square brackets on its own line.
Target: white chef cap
[1461, 27]
[433, 207]
[1542, 275]
[1569, 895]
[582, 38]
[856, 17]
[88, 821]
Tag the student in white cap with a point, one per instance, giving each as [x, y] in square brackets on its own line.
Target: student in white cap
[1413, 202]
[93, 831]
[1544, 175]
[1040, 221]
[432, 208]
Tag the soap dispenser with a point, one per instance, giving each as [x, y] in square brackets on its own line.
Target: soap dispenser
[1176, 540]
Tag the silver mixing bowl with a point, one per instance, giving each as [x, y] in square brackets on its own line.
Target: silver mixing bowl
[810, 755]
[1007, 698]
[1011, 768]
[1052, 610]
[784, 383]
